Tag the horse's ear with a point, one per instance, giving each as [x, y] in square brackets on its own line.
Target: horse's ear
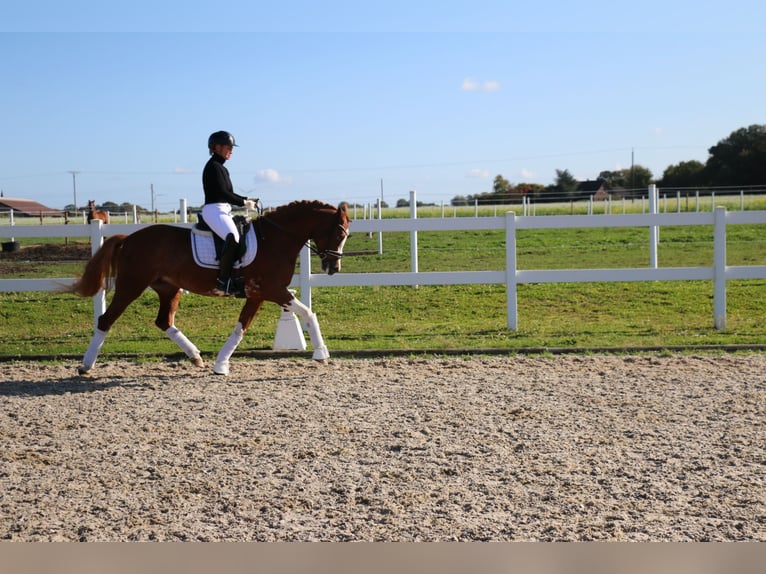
[343, 207]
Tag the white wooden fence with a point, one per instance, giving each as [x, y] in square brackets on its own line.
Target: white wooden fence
[511, 276]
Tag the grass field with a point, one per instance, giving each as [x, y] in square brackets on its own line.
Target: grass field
[470, 317]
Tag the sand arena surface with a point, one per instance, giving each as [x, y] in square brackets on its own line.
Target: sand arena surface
[661, 448]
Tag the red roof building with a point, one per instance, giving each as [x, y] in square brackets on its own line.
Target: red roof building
[27, 207]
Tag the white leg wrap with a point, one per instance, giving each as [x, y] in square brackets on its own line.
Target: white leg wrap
[180, 339]
[92, 353]
[221, 366]
[312, 326]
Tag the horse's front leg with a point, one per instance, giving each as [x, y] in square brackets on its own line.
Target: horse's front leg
[246, 316]
[170, 297]
[312, 325]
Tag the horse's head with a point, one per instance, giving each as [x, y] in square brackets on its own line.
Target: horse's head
[330, 238]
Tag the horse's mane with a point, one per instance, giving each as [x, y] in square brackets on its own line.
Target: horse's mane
[310, 203]
[300, 205]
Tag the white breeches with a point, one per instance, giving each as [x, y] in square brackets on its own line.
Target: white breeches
[218, 217]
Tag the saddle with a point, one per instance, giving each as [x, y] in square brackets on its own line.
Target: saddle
[243, 226]
[207, 246]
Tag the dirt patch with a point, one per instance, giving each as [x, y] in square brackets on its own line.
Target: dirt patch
[71, 252]
[659, 448]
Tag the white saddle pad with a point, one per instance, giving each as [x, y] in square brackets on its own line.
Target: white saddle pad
[203, 249]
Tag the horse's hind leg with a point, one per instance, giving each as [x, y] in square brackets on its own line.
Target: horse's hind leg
[170, 297]
[122, 298]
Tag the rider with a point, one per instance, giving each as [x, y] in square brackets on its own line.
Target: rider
[219, 197]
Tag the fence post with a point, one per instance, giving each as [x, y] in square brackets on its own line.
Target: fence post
[510, 270]
[414, 234]
[654, 232]
[182, 210]
[96, 241]
[380, 233]
[719, 268]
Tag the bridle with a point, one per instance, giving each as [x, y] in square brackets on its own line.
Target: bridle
[322, 253]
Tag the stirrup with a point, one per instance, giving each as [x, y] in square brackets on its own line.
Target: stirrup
[222, 286]
[231, 286]
[237, 287]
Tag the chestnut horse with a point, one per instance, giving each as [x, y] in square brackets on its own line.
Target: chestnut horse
[160, 257]
[94, 213]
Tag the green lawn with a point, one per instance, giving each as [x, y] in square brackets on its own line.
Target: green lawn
[470, 317]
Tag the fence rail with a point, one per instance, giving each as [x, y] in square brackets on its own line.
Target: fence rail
[511, 276]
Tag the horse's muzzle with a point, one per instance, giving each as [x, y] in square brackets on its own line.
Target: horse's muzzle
[330, 264]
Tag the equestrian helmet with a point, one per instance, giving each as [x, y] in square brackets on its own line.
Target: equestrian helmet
[220, 138]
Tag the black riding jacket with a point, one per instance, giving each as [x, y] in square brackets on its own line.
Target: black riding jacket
[217, 184]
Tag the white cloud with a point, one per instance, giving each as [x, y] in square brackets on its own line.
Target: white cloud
[183, 170]
[271, 176]
[471, 85]
[478, 174]
[528, 174]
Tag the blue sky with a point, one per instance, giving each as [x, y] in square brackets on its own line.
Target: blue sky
[329, 100]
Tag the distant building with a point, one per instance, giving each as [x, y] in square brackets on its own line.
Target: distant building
[597, 188]
[27, 207]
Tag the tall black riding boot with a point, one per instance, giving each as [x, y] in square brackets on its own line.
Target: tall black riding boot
[224, 282]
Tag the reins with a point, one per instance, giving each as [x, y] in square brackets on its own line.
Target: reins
[320, 252]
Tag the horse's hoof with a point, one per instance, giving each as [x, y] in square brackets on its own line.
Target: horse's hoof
[321, 354]
[82, 370]
[198, 362]
[221, 369]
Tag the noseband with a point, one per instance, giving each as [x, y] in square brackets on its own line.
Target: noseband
[322, 253]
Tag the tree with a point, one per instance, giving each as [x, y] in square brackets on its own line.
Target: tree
[636, 177]
[565, 183]
[501, 187]
[684, 174]
[739, 159]
[533, 190]
[459, 200]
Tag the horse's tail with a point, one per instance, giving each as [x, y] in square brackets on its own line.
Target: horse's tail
[101, 267]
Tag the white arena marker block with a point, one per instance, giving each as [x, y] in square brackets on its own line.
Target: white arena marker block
[289, 335]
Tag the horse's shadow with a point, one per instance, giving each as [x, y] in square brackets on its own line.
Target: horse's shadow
[77, 384]
[69, 385]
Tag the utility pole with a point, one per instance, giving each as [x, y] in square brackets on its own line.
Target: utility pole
[74, 187]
